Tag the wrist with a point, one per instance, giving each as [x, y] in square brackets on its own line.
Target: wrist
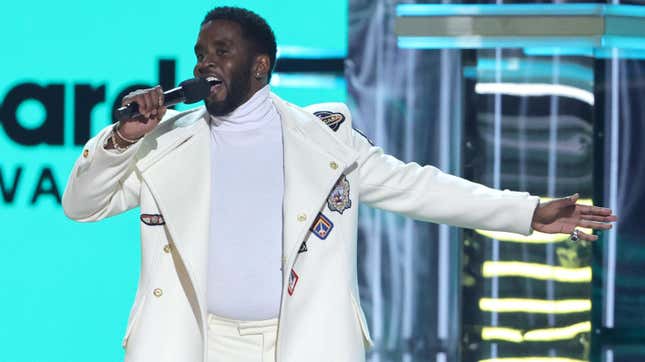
[124, 136]
[117, 141]
[537, 217]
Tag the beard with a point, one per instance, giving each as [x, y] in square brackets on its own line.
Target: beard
[236, 93]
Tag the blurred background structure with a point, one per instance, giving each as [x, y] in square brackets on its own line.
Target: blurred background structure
[540, 97]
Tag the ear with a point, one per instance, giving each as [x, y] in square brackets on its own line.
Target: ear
[262, 66]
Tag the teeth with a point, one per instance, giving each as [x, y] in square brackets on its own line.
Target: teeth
[213, 80]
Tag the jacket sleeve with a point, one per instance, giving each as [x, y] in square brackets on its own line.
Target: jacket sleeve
[103, 182]
[425, 193]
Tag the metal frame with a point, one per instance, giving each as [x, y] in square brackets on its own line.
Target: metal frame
[576, 26]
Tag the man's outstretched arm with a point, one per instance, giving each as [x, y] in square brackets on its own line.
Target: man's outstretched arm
[426, 193]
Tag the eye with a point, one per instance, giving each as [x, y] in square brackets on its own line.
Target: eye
[221, 51]
[200, 57]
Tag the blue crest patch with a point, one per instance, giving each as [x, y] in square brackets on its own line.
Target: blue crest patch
[321, 227]
[338, 199]
[331, 119]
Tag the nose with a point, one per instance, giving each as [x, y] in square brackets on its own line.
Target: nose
[206, 66]
[203, 68]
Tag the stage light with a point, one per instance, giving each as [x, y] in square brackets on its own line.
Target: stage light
[532, 359]
[536, 335]
[491, 269]
[522, 305]
[502, 334]
[535, 89]
[554, 334]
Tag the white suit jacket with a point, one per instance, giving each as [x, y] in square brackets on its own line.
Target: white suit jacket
[328, 169]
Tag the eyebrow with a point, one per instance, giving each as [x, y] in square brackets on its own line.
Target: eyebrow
[225, 43]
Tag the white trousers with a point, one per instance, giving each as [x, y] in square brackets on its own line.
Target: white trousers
[241, 341]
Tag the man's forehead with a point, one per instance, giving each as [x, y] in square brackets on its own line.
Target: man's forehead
[221, 28]
[220, 32]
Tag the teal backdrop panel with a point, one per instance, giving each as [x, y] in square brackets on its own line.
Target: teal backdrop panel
[66, 287]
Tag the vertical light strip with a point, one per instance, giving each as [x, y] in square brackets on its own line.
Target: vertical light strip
[409, 245]
[497, 170]
[441, 357]
[379, 133]
[610, 251]
[609, 355]
[552, 172]
[443, 255]
[497, 144]
[522, 142]
[457, 124]
[444, 164]
[553, 131]
[444, 290]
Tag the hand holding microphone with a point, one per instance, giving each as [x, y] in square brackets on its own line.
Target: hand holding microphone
[150, 109]
[142, 110]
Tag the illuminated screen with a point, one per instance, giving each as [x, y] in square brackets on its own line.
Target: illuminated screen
[66, 288]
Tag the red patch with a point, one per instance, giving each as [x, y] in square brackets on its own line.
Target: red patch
[152, 219]
[293, 280]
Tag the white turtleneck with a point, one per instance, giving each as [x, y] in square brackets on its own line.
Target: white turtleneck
[245, 250]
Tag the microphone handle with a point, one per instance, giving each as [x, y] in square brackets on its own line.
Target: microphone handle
[130, 111]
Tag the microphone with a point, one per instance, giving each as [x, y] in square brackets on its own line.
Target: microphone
[189, 91]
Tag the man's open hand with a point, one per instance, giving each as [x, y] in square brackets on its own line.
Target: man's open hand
[564, 216]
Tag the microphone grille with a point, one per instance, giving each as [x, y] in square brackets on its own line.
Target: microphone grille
[195, 89]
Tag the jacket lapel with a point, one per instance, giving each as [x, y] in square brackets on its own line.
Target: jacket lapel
[314, 159]
[178, 174]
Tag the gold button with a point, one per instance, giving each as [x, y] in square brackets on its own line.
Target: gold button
[86, 153]
[302, 217]
[333, 165]
[157, 292]
[166, 248]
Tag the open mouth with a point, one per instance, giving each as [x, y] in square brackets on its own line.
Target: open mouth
[215, 83]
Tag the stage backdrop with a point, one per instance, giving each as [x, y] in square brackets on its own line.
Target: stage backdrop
[65, 287]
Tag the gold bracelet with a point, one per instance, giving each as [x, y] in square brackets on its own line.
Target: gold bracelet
[127, 140]
[116, 145]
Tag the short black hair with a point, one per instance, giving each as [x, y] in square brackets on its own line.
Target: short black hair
[254, 29]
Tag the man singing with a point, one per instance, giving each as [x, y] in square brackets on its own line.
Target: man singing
[249, 211]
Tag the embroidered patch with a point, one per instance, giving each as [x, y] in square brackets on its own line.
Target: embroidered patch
[338, 199]
[293, 280]
[303, 247]
[322, 227]
[331, 119]
[152, 219]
